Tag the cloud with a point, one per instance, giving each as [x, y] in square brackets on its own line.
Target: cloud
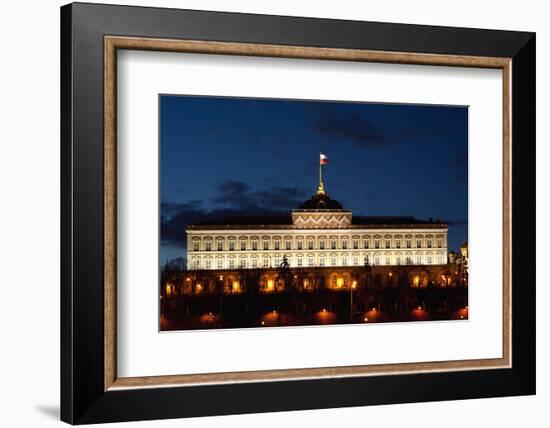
[352, 127]
[176, 217]
[234, 198]
[237, 195]
[233, 187]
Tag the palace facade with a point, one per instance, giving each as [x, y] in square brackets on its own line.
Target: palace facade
[320, 233]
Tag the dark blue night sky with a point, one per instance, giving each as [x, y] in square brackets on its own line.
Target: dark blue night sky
[223, 156]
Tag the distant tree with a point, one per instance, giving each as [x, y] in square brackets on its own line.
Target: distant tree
[367, 274]
[179, 264]
[172, 271]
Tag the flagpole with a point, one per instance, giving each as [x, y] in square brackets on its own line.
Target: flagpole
[320, 170]
[322, 161]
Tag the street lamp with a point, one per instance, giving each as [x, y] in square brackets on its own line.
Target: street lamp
[221, 295]
[353, 285]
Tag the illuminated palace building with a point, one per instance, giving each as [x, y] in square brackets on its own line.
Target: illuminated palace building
[322, 245]
[318, 234]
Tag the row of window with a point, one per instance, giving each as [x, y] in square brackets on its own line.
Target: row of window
[310, 245]
[270, 262]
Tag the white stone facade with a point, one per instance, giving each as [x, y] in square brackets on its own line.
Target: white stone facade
[316, 238]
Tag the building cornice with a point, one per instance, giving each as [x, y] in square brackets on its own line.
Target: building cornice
[354, 227]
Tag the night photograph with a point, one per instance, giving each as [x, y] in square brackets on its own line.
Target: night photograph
[278, 213]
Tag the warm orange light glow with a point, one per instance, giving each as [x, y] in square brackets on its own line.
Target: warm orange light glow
[354, 284]
[263, 322]
[416, 281]
[374, 309]
[270, 285]
[274, 311]
[221, 277]
[236, 287]
[339, 282]
[390, 274]
[199, 287]
[208, 318]
[366, 319]
[188, 279]
[325, 316]
[419, 308]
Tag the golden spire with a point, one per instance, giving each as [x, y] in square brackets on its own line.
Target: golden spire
[320, 189]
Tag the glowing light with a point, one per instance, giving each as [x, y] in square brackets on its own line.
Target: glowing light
[270, 285]
[416, 281]
[324, 310]
[390, 274]
[461, 317]
[274, 311]
[374, 309]
[419, 308]
[354, 284]
[221, 277]
[263, 322]
[188, 279]
[366, 319]
[340, 282]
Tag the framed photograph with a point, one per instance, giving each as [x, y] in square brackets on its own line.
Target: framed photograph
[266, 213]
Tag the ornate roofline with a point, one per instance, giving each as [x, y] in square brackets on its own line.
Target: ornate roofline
[292, 227]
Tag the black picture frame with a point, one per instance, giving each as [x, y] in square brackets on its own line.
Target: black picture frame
[83, 398]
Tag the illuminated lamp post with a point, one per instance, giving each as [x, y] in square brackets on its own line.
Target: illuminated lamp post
[353, 285]
[221, 295]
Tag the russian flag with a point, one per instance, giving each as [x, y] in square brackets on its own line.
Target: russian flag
[323, 159]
